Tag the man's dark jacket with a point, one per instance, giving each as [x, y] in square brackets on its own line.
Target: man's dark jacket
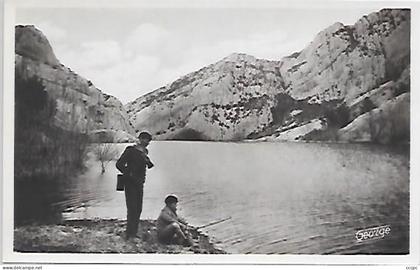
[133, 163]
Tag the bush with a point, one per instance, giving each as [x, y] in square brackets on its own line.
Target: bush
[189, 134]
[42, 149]
[105, 153]
[284, 105]
[338, 117]
[329, 135]
[367, 106]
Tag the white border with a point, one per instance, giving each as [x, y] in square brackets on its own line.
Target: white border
[1, 113]
[8, 129]
[8, 147]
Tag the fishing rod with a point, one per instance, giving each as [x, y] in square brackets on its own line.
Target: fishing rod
[213, 223]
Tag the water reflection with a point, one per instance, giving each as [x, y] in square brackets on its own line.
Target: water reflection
[283, 197]
[34, 201]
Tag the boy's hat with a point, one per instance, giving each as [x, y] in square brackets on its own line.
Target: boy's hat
[171, 198]
[145, 135]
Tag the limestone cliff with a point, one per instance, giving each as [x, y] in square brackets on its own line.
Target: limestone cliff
[343, 73]
[80, 105]
[343, 62]
[224, 101]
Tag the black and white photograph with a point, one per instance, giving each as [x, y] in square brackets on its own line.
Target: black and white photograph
[203, 131]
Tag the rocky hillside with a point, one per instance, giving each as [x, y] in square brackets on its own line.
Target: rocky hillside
[345, 72]
[346, 61]
[226, 100]
[80, 105]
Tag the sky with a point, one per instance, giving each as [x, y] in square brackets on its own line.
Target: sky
[128, 52]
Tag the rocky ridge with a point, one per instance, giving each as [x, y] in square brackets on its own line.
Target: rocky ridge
[224, 100]
[80, 105]
[345, 72]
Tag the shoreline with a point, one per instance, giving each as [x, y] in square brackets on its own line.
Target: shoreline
[102, 236]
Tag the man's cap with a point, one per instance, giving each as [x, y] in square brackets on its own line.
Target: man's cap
[171, 198]
[145, 135]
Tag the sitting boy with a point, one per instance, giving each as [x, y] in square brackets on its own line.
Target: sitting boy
[170, 227]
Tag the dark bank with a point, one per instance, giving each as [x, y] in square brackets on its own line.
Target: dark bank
[102, 236]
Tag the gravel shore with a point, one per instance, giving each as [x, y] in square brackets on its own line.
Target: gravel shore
[102, 236]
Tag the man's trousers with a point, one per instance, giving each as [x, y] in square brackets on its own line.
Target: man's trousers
[134, 201]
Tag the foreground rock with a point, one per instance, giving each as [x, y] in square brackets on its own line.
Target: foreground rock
[101, 236]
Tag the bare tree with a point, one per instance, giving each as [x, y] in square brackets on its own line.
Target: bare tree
[105, 153]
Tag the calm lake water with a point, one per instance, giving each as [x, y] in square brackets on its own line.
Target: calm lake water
[294, 198]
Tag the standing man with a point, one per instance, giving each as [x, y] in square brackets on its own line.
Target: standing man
[132, 164]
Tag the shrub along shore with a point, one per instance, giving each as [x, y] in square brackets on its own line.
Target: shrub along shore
[102, 236]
